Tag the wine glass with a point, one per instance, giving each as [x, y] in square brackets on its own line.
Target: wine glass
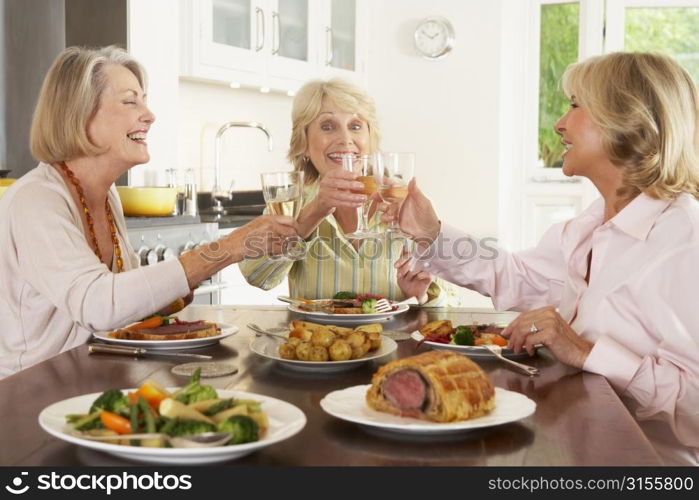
[368, 173]
[283, 194]
[398, 169]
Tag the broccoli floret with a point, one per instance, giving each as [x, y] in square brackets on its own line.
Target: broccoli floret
[243, 428]
[345, 296]
[462, 336]
[181, 427]
[112, 400]
[369, 306]
[194, 391]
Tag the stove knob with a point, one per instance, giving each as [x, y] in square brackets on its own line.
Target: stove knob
[190, 245]
[142, 255]
[152, 256]
[166, 254]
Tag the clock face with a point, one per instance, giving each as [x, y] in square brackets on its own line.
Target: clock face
[434, 37]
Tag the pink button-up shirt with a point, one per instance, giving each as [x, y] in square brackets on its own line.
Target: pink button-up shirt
[640, 308]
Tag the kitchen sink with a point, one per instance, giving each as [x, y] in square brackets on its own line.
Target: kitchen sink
[240, 203]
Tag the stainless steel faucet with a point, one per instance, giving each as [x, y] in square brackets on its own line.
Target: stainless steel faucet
[217, 190]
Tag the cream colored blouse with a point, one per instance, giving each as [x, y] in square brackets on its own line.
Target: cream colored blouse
[54, 291]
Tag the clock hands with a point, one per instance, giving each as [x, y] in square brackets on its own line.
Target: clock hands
[428, 35]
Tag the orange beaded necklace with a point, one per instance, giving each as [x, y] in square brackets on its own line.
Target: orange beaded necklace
[90, 223]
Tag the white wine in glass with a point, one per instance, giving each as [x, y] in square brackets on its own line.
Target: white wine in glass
[398, 169]
[283, 193]
[368, 173]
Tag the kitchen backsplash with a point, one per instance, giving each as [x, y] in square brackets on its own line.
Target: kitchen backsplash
[244, 154]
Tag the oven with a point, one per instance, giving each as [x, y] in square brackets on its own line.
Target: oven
[160, 238]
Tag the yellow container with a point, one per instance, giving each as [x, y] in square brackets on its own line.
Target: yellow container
[147, 201]
[4, 184]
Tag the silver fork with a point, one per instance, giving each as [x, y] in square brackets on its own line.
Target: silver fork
[497, 351]
[274, 332]
[383, 305]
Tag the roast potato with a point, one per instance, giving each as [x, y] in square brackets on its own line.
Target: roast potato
[361, 350]
[301, 333]
[287, 351]
[303, 351]
[294, 341]
[340, 331]
[319, 353]
[374, 340]
[357, 338]
[323, 338]
[438, 327]
[340, 350]
[372, 327]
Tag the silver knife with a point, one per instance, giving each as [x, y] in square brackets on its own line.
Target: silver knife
[313, 306]
[138, 351]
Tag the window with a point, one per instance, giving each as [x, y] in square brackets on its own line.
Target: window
[672, 30]
[558, 48]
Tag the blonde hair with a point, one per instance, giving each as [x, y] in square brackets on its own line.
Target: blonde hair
[307, 106]
[648, 110]
[69, 98]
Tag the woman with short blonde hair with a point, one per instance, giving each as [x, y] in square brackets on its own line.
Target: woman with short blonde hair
[331, 119]
[68, 99]
[646, 106]
[307, 106]
[67, 268]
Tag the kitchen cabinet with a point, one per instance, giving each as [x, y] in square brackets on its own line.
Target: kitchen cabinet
[237, 291]
[278, 44]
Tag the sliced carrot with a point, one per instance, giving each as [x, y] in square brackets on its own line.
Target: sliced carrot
[500, 340]
[152, 393]
[153, 322]
[491, 338]
[117, 423]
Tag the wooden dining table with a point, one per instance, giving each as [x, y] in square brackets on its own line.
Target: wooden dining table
[579, 420]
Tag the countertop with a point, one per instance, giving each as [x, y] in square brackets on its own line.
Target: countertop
[579, 419]
[227, 221]
[223, 221]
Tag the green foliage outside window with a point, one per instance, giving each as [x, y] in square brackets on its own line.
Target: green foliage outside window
[559, 48]
[673, 31]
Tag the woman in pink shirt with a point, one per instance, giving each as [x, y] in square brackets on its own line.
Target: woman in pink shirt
[615, 290]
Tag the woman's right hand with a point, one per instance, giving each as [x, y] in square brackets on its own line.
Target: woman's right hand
[334, 190]
[416, 217]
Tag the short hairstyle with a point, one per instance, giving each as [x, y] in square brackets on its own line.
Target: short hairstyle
[307, 106]
[648, 110]
[70, 97]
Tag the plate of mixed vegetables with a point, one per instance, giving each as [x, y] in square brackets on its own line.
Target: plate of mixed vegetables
[254, 421]
[466, 339]
[346, 307]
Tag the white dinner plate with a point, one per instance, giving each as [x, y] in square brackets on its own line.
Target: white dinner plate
[285, 420]
[268, 347]
[472, 351]
[350, 404]
[324, 317]
[226, 331]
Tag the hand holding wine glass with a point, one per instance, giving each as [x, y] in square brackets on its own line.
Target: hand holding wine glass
[417, 216]
[283, 193]
[368, 173]
[398, 169]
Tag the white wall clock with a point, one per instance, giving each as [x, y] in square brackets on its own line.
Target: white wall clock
[434, 37]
